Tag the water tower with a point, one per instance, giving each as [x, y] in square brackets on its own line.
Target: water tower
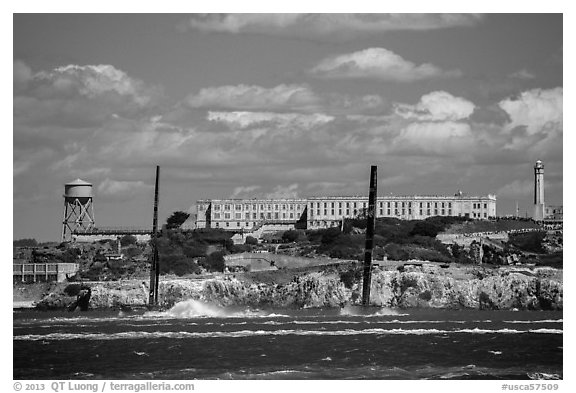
[78, 208]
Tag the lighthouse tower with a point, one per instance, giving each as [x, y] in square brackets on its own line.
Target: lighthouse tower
[538, 191]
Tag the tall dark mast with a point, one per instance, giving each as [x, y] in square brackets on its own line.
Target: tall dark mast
[155, 267]
[370, 222]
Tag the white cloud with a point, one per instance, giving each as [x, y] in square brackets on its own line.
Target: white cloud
[22, 72]
[122, 190]
[522, 74]
[94, 80]
[326, 25]
[437, 106]
[536, 109]
[76, 96]
[251, 97]
[290, 191]
[244, 191]
[378, 63]
[443, 138]
[252, 119]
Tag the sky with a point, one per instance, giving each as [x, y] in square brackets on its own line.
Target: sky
[280, 105]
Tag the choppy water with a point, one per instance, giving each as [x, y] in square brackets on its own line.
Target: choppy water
[199, 341]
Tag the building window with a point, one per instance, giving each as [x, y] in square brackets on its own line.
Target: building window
[421, 212]
[216, 207]
[291, 215]
[435, 212]
[238, 224]
[339, 212]
[427, 212]
[332, 205]
[254, 216]
[276, 215]
[325, 212]
[238, 207]
[216, 216]
[449, 212]
[227, 216]
[217, 225]
[269, 215]
[318, 212]
[388, 212]
[449, 205]
[226, 207]
[238, 216]
[381, 212]
[410, 211]
[443, 211]
[332, 211]
[275, 207]
[261, 216]
[485, 206]
[227, 224]
[247, 216]
[347, 212]
[403, 212]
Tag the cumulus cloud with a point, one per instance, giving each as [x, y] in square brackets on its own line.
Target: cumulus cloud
[442, 138]
[326, 25]
[537, 110]
[94, 80]
[244, 191]
[122, 190]
[378, 63]
[522, 74]
[78, 96]
[251, 97]
[251, 119]
[22, 73]
[437, 106]
[283, 98]
[280, 191]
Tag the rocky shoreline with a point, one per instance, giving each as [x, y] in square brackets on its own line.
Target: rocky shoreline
[424, 286]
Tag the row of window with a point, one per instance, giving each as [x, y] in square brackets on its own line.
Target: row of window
[255, 216]
[389, 205]
[397, 212]
[254, 206]
[478, 205]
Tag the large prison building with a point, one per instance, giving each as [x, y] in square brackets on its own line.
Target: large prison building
[325, 212]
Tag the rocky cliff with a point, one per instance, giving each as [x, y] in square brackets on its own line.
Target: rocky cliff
[420, 287]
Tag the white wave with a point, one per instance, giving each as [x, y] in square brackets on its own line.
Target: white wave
[537, 321]
[280, 332]
[197, 309]
[549, 331]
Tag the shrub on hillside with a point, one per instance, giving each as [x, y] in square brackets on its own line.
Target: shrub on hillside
[531, 241]
[128, 240]
[425, 228]
[214, 262]
[178, 265]
[396, 253]
[25, 243]
[251, 240]
[290, 236]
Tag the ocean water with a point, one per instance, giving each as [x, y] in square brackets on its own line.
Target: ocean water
[194, 340]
